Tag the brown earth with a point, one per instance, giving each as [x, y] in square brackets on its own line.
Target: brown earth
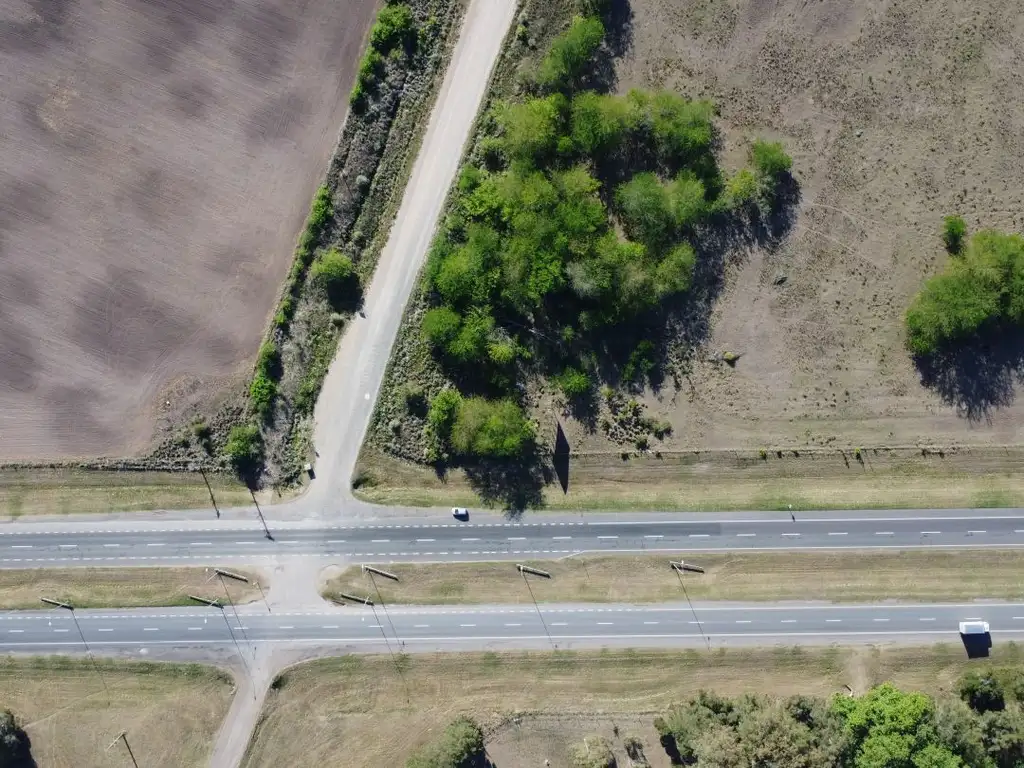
[896, 113]
[355, 711]
[159, 159]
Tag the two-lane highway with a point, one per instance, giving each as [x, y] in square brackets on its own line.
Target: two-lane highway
[481, 627]
[489, 539]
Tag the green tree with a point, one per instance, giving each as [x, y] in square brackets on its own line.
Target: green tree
[682, 129]
[645, 207]
[244, 447]
[741, 189]
[262, 391]
[688, 200]
[491, 429]
[530, 129]
[982, 691]
[441, 326]
[574, 383]
[570, 53]
[461, 745]
[1004, 737]
[395, 26]
[770, 159]
[444, 409]
[470, 345]
[674, 274]
[600, 122]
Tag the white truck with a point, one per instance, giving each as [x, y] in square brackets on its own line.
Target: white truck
[974, 628]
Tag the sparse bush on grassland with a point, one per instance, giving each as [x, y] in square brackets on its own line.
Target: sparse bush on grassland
[333, 269]
[461, 745]
[983, 288]
[592, 752]
[394, 29]
[571, 53]
[490, 429]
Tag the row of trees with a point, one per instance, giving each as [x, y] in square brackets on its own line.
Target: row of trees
[885, 728]
[981, 289]
[531, 266]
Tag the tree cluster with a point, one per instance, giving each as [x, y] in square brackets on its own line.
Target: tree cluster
[461, 745]
[884, 728]
[531, 263]
[393, 32]
[982, 289]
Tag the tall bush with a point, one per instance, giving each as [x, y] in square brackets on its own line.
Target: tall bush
[570, 53]
[491, 429]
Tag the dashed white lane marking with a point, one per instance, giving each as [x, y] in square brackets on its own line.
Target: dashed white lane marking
[202, 544]
[879, 619]
[111, 545]
[16, 631]
[329, 626]
[517, 538]
[62, 630]
[884, 533]
[466, 626]
[425, 541]
[559, 624]
[743, 621]
[930, 533]
[562, 538]
[650, 623]
[930, 618]
[789, 621]
[974, 532]
[838, 533]
[336, 541]
[832, 621]
[105, 629]
[200, 629]
[1018, 618]
[156, 545]
[699, 535]
[513, 625]
[68, 546]
[605, 623]
[380, 541]
[287, 626]
[607, 537]
[745, 535]
[21, 546]
[420, 626]
[793, 535]
[471, 539]
[655, 536]
[151, 629]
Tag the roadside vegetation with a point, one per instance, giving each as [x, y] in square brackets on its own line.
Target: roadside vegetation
[915, 575]
[533, 706]
[581, 227]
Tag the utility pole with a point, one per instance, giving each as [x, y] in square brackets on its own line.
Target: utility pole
[678, 566]
[369, 569]
[266, 531]
[241, 656]
[525, 569]
[122, 736]
[221, 573]
[88, 651]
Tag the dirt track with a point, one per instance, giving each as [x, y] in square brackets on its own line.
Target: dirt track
[159, 157]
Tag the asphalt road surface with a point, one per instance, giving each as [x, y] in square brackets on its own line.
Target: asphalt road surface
[429, 540]
[413, 628]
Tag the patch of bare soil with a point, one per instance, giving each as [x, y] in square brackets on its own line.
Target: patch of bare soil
[896, 113]
[529, 741]
[159, 159]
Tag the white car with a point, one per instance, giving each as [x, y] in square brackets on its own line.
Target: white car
[974, 628]
[460, 513]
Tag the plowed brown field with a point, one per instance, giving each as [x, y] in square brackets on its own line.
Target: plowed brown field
[158, 159]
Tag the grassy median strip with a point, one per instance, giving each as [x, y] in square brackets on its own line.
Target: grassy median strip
[170, 712]
[912, 575]
[120, 587]
[374, 718]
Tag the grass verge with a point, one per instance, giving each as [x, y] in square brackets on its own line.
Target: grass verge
[353, 710]
[940, 576]
[884, 478]
[65, 491]
[119, 587]
[170, 712]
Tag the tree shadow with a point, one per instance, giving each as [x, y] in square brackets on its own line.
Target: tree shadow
[512, 484]
[560, 458]
[978, 376]
[618, 41]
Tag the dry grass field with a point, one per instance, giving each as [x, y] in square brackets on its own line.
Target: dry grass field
[353, 710]
[159, 159]
[170, 712]
[941, 576]
[121, 587]
[897, 112]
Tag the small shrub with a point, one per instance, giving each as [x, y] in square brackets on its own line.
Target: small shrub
[491, 429]
[262, 392]
[268, 360]
[661, 429]
[415, 399]
[640, 363]
[574, 383]
[201, 430]
[954, 229]
[333, 269]
[244, 447]
[770, 159]
[741, 189]
[982, 691]
[592, 752]
[571, 52]
[395, 26]
[320, 213]
[460, 745]
[444, 409]
[440, 326]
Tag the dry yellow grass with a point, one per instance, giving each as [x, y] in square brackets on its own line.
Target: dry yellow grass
[120, 587]
[905, 478]
[169, 711]
[353, 710]
[59, 492]
[843, 577]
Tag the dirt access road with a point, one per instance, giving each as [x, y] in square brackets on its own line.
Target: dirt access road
[353, 381]
[158, 160]
[350, 390]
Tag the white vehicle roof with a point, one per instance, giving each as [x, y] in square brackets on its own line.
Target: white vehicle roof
[973, 627]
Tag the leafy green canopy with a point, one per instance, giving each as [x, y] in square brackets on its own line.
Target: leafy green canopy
[531, 263]
[982, 288]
